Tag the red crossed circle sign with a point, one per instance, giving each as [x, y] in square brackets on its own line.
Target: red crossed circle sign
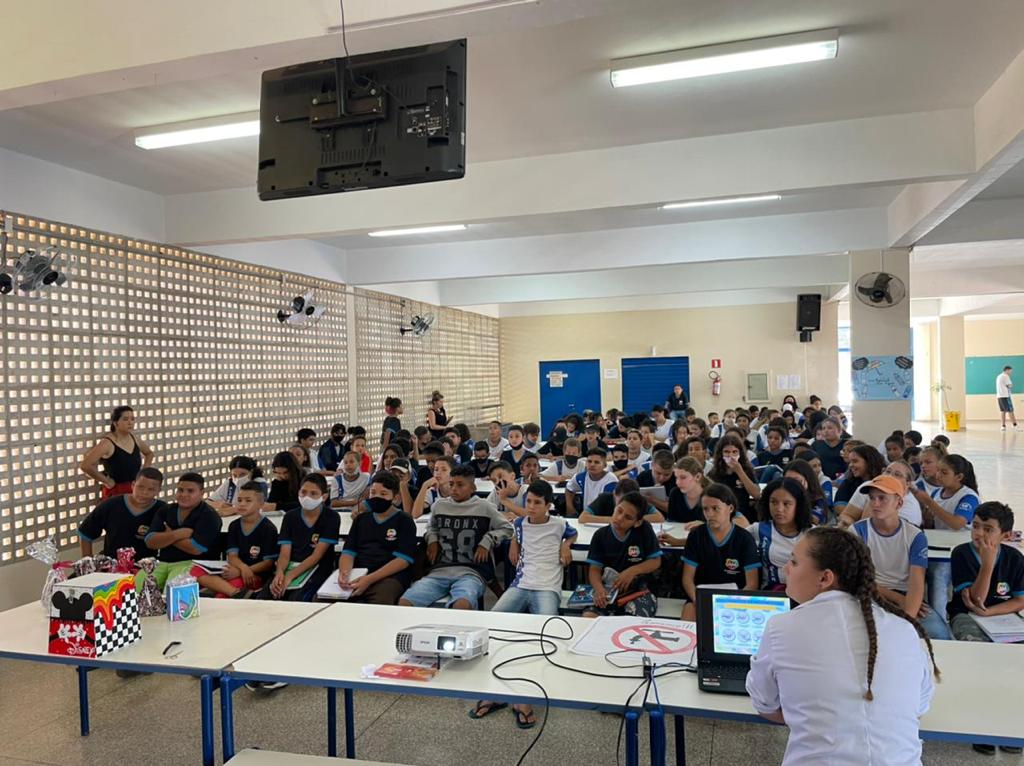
[654, 639]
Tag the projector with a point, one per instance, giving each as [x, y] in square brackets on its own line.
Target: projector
[456, 641]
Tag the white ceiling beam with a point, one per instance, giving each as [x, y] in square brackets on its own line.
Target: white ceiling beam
[879, 150]
[995, 280]
[982, 220]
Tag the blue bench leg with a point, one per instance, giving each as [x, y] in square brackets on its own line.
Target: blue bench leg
[332, 722]
[350, 725]
[206, 708]
[680, 728]
[632, 738]
[227, 716]
[83, 699]
[658, 745]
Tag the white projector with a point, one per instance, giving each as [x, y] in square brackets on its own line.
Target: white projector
[456, 641]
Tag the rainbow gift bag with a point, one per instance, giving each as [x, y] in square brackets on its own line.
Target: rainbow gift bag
[93, 615]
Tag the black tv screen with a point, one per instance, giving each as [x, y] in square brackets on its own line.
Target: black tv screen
[364, 122]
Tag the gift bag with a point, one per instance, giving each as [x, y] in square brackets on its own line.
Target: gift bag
[182, 596]
[151, 600]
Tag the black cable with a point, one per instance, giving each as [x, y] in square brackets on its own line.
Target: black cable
[344, 39]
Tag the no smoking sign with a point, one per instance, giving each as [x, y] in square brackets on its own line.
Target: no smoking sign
[654, 639]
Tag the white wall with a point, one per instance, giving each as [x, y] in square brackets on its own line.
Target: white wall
[303, 256]
[57, 193]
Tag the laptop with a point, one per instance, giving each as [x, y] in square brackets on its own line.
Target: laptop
[729, 627]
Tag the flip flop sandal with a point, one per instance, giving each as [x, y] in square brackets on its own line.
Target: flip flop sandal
[522, 719]
[484, 709]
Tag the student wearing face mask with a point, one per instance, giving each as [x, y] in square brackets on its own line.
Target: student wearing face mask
[516, 449]
[565, 467]
[243, 469]
[333, 450]
[619, 464]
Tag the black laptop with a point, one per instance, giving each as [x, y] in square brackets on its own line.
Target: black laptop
[729, 627]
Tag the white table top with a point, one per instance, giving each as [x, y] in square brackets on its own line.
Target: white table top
[963, 705]
[270, 758]
[585, 532]
[333, 647]
[486, 486]
[225, 630]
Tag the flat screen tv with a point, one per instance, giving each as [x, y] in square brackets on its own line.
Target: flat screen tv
[364, 122]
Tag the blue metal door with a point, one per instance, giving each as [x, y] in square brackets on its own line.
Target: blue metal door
[568, 386]
[647, 381]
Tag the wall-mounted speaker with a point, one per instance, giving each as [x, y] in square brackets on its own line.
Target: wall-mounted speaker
[808, 312]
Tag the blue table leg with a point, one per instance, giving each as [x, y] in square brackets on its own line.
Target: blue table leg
[83, 699]
[680, 727]
[658, 744]
[206, 708]
[350, 725]
[227, 716]
[332, 722]
[632, 738]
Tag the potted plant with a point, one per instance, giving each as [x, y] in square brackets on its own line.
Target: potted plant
[951, 417]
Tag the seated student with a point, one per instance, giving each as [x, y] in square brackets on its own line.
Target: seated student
[430, 454]
[481, 461]
[865, 463]
[462, 451]
[628, 547]
[694, 447]
[802, 472]
[811, 458]
[181, 531]
[306, 545]
[124, 520]
[507, 496]
[620, 464]
[603, 507]
[331, 451]
[516, 451]
[592, 440]
[301, 456]
[358, 445]
[635, 452]
[349, 485]
[463, 532]
[927, 480]
[732, 467]
[306, 438]
[530, 470]
[728, 421]
[251, 549]
[242, 469]
[531, 436]
[829, 446]
[564, 468]
[495, 441]
[662, 425]
[421, 439]
[941, 441]
[615, 431]
[752, 438]
[436, 487]
[684, 501]
[402, 471]
[658, 475]
[382, 541]
[586, 485]
[911, 508]
[784, 515]
[713, 420]
[717, 552]
[647, 439]
[553, 446]
[388, 455]
[894, 446]
[680, 432]
[899, 551]
[284, 488]
[776, 453]
[912, 455]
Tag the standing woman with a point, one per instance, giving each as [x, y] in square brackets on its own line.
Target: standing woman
[859, 706]
[392, 425]
[122, 453]
[437, 418]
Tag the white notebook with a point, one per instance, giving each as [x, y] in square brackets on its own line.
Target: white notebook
[1002, 628]
[332, 591]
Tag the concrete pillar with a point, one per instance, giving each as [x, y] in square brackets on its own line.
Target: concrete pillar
[876, 331]
[951, 363]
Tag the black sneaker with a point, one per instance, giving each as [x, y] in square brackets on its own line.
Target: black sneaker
[273, 686]
[984, 749]
[132, 673]
[1011, 749]
[253, 685]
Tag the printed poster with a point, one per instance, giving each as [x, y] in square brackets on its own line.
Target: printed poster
[882, 378]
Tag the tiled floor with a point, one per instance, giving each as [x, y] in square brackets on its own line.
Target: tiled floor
[155, 719]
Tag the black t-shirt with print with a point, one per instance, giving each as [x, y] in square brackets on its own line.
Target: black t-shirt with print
[256, 545]
[640, 544]
[120, 526]
[1007, 576]
[726, 563]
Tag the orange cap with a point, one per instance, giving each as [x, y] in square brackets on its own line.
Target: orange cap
[890, 485]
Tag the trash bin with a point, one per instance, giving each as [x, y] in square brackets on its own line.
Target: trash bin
[953, 420]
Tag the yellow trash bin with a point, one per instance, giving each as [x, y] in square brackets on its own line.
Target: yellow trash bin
[952, 420]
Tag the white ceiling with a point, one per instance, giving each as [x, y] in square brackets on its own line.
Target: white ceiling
[545, 90]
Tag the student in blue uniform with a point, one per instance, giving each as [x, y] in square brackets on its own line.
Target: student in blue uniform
[562, 469]
[802, 472]
[718, 552]
[308, 536]
[603, 507]
[620, 464]
[784, 516]
[516, 450]
[349, 485]
[124, 520]
[481, 461]
[331, 451]
[776, 453]
[586, 485]
[382, 541]
[182, 531]
[241, 470]
[732, 467]
[251, 550]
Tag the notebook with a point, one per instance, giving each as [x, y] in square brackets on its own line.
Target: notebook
[332, 591]
[1002, 628]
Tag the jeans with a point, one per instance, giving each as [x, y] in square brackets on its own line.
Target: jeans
[434, 587]
[940, 582]
[527, 601]
[935, 626]
[677, 415]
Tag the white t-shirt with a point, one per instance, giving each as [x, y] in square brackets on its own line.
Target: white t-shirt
[589, 488]
[663, 432]
[496, 451]
[349, 489]
[519, 499]
[775, 548]
[227, 492]
[1004, 386]
[894, 555]
[539, 566]
[812, 663]
[559, 467]
[963, 503]
[910, 510]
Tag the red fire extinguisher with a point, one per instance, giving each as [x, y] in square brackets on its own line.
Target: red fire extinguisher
[716, 383]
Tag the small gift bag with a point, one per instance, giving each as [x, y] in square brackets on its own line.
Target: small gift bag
[151, 600]
[182, 596]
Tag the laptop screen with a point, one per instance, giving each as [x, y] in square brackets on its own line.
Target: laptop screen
[739, 620]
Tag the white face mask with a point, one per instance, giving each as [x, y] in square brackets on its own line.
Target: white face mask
[310, 503]
[240, 481]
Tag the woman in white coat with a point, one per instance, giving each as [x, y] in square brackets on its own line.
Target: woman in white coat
[849, 674]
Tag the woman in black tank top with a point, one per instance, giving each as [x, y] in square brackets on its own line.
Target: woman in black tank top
[437, 418]
[122, 455]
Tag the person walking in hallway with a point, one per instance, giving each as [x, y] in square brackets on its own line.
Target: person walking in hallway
[1004, 392]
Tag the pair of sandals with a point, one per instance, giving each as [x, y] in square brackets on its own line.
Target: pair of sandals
[484, 708]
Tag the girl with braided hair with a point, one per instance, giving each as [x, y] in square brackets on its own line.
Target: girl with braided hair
[847, 671]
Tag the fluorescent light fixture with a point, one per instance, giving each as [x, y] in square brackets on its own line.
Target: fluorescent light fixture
[727, 57]
[417, 230]
[199, 131]
[721, 201]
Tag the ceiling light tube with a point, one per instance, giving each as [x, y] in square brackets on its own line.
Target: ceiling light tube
[417, 230]
[199, 131]
[721, 201]
[739, 56]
